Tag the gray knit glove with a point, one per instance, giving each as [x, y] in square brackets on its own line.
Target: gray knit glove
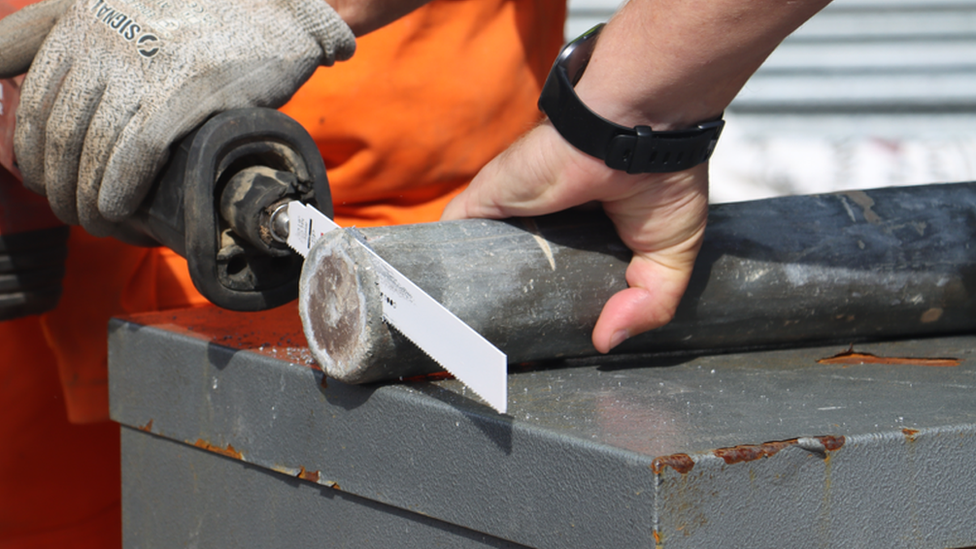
[117, 81]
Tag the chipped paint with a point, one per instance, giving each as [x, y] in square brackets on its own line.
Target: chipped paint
[302, 473]
[832, 442]
[751, 452]
[931, 315]
[285, 470]
[229, 451]
[866, 203]
[311, 476]
[682, 463]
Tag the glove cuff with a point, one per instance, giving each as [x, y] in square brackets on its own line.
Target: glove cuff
[317, 18]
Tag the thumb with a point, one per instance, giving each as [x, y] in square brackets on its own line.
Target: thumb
[655, 289]
[23, 32]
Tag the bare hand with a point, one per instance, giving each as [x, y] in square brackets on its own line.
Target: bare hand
[661, 217]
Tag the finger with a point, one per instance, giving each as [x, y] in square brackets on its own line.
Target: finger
[37, 96]
[656, 288]
[66, 129]
[142, 146]
[650, 302]
[334, 37]
[539, 174]
[23, 32]
[111, 116]
[139, 154]
[467, 205]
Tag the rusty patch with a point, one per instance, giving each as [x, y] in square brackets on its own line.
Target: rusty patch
[229, 451]
[682, 463]
[147, 427]
[752, 452]
[831, 442]
[657, 537]
[909, 434]
[851, 357]
[311, 476]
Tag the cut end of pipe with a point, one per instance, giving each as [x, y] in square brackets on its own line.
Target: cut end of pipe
[341, 307]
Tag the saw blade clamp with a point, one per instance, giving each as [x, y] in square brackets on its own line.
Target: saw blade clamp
[216, 201]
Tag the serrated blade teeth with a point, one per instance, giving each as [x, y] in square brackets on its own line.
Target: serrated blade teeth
[500, 404]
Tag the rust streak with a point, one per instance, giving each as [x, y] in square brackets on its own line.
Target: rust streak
[682, 463]
[852, 357]
[147, 427]
[230, 451]
[311, 476]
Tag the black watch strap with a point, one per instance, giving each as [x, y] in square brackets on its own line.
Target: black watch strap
[634, 150]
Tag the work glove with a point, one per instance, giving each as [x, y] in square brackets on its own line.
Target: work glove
[116, 82]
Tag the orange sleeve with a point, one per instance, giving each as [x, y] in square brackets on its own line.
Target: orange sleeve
[105, 278]
[40, 504]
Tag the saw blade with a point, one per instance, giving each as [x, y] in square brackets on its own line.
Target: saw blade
[440, 334]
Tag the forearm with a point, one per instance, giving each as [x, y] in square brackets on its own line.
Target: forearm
[671, 63]
[365, 16]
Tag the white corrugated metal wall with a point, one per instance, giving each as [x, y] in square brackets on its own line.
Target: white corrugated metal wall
[868, 93]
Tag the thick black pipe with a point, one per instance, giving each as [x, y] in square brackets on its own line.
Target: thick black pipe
[835, 267]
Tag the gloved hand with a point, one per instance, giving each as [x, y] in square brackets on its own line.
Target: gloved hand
[116, 82]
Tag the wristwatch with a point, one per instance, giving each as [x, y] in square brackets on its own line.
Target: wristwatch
[633, 150]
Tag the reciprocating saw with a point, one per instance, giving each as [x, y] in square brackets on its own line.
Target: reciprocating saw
[214, 203]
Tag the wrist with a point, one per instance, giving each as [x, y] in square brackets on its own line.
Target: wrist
[651, 92]
[634, 149]
[671, 63]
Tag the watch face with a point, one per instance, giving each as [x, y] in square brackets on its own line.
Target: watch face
[576, 55]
